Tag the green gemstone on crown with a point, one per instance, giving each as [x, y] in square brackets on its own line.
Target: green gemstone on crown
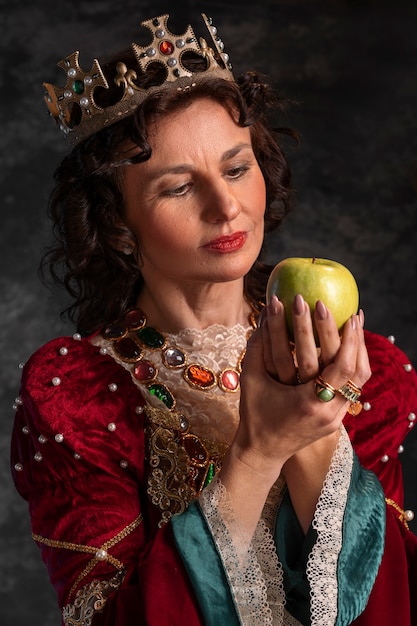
[78, 87]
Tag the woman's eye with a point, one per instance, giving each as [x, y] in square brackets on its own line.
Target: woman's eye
[181, 190]
[236, 172]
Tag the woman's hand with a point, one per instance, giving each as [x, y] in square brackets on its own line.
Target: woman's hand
[278, 416]
[283, 422]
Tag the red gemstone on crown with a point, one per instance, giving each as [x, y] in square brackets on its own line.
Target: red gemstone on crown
[229, 380]
[166, 47]
[145, 371]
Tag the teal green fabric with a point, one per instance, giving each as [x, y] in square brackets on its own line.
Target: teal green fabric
[204, 566]
[363, 543]
[358, 564]
[293, 548]
[360, 557]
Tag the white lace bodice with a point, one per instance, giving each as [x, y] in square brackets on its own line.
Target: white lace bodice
[212, 414]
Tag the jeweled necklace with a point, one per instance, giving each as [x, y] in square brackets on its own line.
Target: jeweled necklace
[132, 336]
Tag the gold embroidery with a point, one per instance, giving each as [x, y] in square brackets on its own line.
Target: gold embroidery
[399, 510]
[181, 463]
[100, 554]
[89, 600]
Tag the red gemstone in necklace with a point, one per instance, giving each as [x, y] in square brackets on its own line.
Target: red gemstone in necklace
[229, 380]
[114, 331]
[166, 47]
[135, 319]
[199, 376]
[128, 349]
[145, 371]
[195, 450]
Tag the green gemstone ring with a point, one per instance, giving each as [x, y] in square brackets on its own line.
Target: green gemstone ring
[324, 390]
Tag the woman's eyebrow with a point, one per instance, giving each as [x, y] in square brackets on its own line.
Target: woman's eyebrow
[184, 168]
[229, 154]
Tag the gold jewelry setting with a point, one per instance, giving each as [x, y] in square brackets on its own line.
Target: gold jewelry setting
[352, 392]
[74, 107]
[324, 390]
[132, 337]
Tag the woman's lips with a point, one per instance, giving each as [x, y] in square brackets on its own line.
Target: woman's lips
[228, 243]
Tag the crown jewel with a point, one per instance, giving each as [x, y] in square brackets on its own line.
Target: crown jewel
[74, 107]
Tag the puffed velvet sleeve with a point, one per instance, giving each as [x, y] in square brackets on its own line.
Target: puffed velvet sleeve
[389, 413]
[78, 458]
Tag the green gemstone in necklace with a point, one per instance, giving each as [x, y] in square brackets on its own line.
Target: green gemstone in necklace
[162, 393]
[210, 474]
[150, 338]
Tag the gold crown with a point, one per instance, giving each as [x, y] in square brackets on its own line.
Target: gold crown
[73, 106]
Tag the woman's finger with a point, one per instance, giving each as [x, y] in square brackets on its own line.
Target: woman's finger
[305, 344]
[328, 334]
[363, 368]
[278, 357]
[344, 366]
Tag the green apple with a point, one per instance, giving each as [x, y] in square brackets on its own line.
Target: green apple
[315, 279]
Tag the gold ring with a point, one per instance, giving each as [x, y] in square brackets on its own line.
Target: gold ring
[324, 390]
[350, 391]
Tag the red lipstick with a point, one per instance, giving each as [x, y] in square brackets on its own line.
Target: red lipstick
[227, 243]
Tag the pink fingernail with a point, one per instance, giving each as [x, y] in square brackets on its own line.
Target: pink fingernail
[361, 318]
[353, 322]
[274, 305]
[322, 312]
[299, 305]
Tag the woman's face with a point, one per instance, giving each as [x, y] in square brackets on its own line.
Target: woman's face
[197, 205]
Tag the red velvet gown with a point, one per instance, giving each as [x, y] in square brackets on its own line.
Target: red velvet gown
[81, 459]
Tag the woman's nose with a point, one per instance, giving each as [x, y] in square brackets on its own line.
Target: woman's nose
[220, 203]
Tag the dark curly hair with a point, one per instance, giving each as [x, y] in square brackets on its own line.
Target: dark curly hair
[87, 205]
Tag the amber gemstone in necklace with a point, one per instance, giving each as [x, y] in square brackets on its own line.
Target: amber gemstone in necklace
[151, 338]
[128, 349]
[199, 376]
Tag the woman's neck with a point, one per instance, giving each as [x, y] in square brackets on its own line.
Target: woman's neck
[171, 309]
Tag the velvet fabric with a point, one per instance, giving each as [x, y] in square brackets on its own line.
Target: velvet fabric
[79, 459]
[394, 594]
[360, 556]
[363, 544]
[79, 492]
[203, 563]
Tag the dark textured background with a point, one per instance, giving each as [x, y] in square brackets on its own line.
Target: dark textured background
[350, 66]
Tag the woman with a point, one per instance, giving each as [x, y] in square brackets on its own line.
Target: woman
[176, 472]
